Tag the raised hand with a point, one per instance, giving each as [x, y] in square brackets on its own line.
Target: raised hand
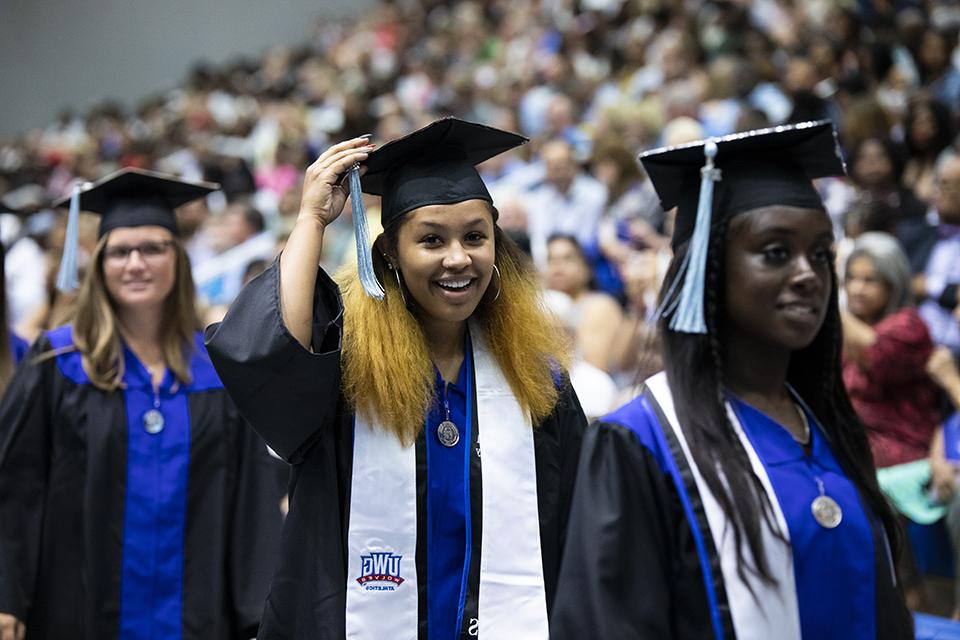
[325, 187]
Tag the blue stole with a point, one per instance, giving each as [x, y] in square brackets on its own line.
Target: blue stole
[449, 540]
[834, 569]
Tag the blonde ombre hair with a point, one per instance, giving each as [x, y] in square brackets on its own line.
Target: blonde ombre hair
[96, 333]
[387, 371]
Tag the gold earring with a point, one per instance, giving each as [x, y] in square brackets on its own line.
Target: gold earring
[396, 272]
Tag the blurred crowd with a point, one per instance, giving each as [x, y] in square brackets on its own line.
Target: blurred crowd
[591, 83]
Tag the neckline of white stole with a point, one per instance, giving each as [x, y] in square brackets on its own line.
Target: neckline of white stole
[382, 575]
[771, 610]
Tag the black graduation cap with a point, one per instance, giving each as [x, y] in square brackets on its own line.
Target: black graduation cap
[729, 175]
[126, 198]
[137, 197]
[433, 165]
[757, 168]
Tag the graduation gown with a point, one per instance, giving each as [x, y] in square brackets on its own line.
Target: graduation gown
[108, 531]
[641, 561]
[292, 397]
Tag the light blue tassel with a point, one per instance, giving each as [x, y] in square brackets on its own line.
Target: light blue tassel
[67, 276]
[687, 309]
[368, 278]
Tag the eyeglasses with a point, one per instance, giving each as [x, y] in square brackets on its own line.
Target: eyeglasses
[120, 253]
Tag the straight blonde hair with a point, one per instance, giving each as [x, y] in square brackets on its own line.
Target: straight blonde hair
[96, 333]
[387, 371]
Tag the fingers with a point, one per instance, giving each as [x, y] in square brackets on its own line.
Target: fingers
[11, 628]
[346, 145]
[337, 153]
[332, 167]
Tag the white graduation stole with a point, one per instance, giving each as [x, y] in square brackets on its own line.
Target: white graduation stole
[775, 612]
[382, 538]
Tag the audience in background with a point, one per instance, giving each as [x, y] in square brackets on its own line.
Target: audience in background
[886, 348]
[593, 84]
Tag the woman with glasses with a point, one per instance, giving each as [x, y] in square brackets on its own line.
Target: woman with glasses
[134, 501]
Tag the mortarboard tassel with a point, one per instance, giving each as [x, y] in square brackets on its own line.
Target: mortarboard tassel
[688, 314]
[67, 276]
[368, 278]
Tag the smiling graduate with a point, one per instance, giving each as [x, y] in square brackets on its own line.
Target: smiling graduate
[736, 497]
[421, 399]
[134, 500]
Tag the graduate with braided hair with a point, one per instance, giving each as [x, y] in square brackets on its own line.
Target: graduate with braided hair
[736, 496]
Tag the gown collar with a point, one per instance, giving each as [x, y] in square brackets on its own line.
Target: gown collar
[774, 443]
[136, 375]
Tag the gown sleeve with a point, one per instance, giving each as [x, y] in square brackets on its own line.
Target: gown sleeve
[629, 568]
[24, 464]
[289, 394]
[572, 426]
[255, 528]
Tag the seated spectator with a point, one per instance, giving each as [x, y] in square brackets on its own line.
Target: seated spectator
[568, 201]
[239, 235]
[937, 68]
[636, 346]
[886, 347]
[936, 288]
[928, 131]
[513, 218]
[634, 220]
[595, 316]
[595, 388]
[876, 170]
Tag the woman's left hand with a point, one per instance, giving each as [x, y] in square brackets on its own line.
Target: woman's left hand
[324, 188]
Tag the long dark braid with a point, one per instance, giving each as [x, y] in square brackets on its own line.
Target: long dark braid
[694, 367]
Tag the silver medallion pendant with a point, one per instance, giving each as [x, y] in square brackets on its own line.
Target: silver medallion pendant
[826, 512]
[448, 434]
[153, 421]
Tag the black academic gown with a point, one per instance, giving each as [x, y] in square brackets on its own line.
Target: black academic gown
[292, 398]
[90, 546]
[632, 568]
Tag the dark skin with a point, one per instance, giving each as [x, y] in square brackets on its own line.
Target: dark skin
[778, 284]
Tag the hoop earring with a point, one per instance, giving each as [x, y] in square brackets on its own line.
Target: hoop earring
[396, 272]
[499, 283]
